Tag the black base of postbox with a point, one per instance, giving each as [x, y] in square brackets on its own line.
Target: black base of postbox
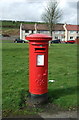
[38, 99]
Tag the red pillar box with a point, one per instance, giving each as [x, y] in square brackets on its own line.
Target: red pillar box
[38, 66]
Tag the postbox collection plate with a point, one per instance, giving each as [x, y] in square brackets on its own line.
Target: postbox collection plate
[40, 60]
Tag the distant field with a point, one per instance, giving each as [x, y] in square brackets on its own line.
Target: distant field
[11, 27]
[10, 31]
[62, 69]
[15, 24]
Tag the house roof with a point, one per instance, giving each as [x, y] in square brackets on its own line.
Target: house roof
[58, 27]
[42, 27]
[72, 27]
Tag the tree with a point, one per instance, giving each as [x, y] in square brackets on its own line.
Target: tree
[51, 15]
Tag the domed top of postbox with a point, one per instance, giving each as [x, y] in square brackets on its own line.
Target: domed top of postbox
[38, 37]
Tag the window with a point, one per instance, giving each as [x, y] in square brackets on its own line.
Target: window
[56, 32]
[77, 37]
[32, 31]
[71, 38]
[39, 31]
[26, 31]
[61, 32]
[56, 37]
[62, 36]
[77, 31]
[72, 32]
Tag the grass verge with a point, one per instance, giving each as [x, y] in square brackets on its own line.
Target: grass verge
[62, 69]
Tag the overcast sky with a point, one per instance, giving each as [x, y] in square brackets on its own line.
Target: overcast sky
[31, 10]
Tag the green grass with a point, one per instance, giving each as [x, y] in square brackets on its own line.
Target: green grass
[0, 76]
[7, 41]
[62, 69]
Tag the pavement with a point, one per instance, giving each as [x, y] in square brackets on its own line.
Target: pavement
[66, 114]
[57, 115]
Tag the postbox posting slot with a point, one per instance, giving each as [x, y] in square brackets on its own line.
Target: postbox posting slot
[40, 49]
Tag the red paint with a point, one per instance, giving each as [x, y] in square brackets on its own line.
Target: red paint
[72, 27]
[70, 41]
[38, 74]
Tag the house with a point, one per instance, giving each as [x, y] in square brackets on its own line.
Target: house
[71, 32]
[63, 32]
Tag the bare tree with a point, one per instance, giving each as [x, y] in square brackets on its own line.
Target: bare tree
[51, 15]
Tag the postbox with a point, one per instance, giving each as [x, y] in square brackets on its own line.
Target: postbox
[38, 66]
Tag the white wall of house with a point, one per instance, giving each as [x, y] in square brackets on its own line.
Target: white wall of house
[72, 35]
[55, 34]
[23, 34]
[62, 35]
[43, 32]
[58, 35]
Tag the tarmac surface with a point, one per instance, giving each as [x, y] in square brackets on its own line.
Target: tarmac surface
[66, 114]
